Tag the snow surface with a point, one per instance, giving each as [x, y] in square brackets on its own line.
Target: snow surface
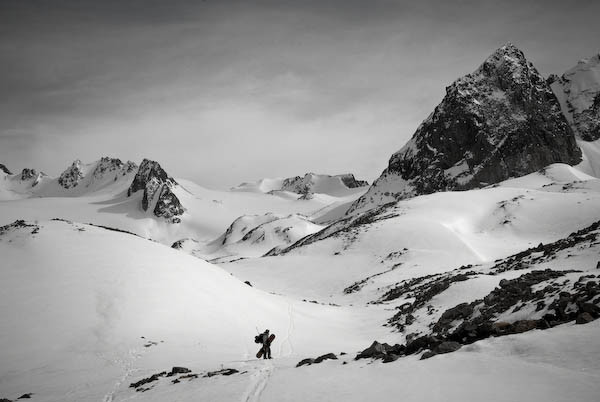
[86, 311]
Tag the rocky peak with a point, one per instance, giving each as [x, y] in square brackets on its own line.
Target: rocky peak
[578, 91]
[350, 181]
[109, 165]
[4, 169]
[305, 185]
[498, 122]
[72, 176]
[157, 186]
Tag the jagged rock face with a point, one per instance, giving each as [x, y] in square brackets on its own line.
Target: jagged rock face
[306, 184]
[578, 91]
[4, 169]
[107, 165]
[157, 185]
[350, 181]
[28, 174]
[501, 121]
[72, 176]
[32, 175]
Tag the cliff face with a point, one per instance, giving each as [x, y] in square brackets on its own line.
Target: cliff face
[578, 91]
[500, 121]
[157, 187]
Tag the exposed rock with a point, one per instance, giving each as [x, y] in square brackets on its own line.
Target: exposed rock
[584, 318]
[178, 370]
[423, 342]
[328, 356]
[157, 185]
[423, 293]
[72, 176]
[28, 174]
[225, 372]
[501, 121]
[4, 399]
[309, 361]
[5, 170]
[350, 181]
[390, 357]
[26, 396]
[108, 165]
[380, 350]
[578, 91]
[305, 362]
[147, 380]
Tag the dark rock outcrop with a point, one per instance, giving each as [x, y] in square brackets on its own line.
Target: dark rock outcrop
[320, 359]
[4, 169]
[28, 174]
[72, 176]
[380, 351]
[178, 370]
[444, 347]
[501, 121]
[157, 187]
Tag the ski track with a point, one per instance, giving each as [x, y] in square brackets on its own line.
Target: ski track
[290, 331]
[259, 384]
[128, 370]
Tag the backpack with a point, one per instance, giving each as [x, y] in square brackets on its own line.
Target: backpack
[258, 339]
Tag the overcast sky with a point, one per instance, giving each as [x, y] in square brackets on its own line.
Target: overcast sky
[222, 92]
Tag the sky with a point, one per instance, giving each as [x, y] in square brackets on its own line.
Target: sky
[223, 92]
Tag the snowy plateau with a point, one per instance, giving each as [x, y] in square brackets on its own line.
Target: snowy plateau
[455, 276]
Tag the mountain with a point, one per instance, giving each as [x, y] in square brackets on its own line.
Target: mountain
[158, 195]
[4, 169]
[254, 235]
[77, 180]
[94, 174]
[500, 121]
[578, 91]
[310, 183]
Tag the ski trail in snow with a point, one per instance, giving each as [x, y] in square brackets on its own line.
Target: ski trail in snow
[290, 331]
[259, 383]
[128, 370]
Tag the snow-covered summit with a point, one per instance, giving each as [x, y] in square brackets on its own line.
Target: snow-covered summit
[77, 180]
[578, 91]
[498, 122]
[309, 183]
[158, 195]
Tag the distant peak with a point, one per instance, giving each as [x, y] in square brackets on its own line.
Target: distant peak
[4, 169]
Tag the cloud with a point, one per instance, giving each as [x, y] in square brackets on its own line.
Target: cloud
[220, 89]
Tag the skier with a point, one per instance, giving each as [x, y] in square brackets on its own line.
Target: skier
[266, 345]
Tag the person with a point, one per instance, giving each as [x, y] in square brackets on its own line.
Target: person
[266, 345]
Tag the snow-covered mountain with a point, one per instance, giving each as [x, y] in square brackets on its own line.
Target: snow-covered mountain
[255, 235]
[158, 195]
[578, 91]
[77, 180]
[308, 184]
[464, 291]
[498, 122]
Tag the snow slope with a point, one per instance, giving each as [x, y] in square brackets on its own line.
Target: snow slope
[85, 311]
[102, 199]
[428, 235]
[578, 91]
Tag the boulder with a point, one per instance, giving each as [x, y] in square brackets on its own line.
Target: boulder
[584, 318]
[328, 356]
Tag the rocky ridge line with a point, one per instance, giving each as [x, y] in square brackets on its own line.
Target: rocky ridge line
[501, 121]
